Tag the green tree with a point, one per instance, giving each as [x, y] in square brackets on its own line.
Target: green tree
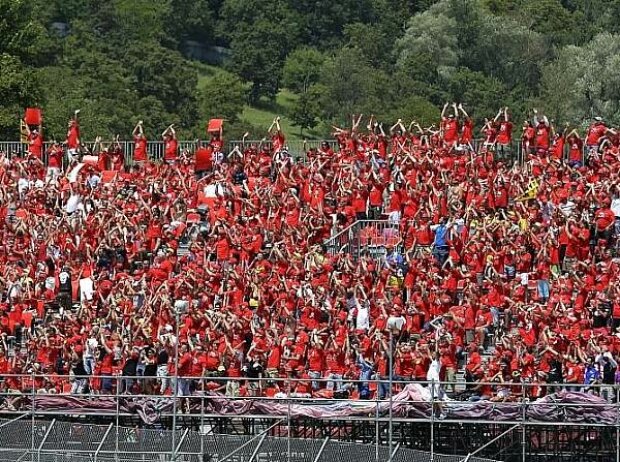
[346, 78]
[141, 20]
[164, 74]
[431, 33]
[322, 22]
[18, 89]
[481, 95]
[191, 20]
[261, 34]
[23, 34]
[223, 97]
[302, 69]
[413, 108]
[306, 111]
[373, 40]
[584, 81]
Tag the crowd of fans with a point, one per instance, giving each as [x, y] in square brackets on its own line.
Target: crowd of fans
[213, 267]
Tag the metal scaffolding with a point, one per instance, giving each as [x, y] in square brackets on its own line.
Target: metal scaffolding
[214, 428]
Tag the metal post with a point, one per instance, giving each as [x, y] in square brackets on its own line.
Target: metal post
[377, 422]
[288, 423]
[32, 427]
[523, 420]
[488, 443]
[318, 456]
[202, 424]
[257, 448]
[617, 423]
[264, 432]
[432, 420]
[178, 446]
[391, 385]
[118, 417]
[43, 440]
[103, 441]
[176, 384]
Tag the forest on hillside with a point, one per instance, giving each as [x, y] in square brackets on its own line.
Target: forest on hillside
[124, 60]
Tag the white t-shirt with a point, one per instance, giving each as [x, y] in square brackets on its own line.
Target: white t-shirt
[363, 318]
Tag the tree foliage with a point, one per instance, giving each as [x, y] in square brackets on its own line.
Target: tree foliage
[120, 60]
[224, 97]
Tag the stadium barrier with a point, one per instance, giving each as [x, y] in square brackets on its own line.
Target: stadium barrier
[366, 237]
[291, 426]
[296, 148]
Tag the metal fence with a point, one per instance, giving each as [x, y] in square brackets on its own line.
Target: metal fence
[59, 441]
[155, 149]
[366, 237]
[297, 148]
[35, 426]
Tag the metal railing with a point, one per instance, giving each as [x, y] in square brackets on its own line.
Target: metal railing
[123, 426]
[155, 149]
[366, 238]
[297, 148]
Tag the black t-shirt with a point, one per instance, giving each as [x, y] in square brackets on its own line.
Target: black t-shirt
[239, 177]
[162, 358]
[129, 369]
[64, 278]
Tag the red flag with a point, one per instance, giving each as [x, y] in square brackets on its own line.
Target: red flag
[215, 125]
[33, 116]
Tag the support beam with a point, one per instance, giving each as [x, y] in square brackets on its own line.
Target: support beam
[176, 449]
[318, 456]
[44, 438]
[466, 459]
[264, 432]
[13, 420]
[107, 432]
[256, 449]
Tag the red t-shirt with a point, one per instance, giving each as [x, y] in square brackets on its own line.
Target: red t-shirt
[542, 137]
[35, 147]
[504, 135]
[54, 158]
[73, 136]
[451, 128]
[204, 159]
[171, 147]
[139, 153]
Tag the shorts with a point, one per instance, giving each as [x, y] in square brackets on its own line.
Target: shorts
[64, 300]
[450, 375]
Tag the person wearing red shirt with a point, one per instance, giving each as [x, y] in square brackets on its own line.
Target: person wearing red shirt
[35, 141]
[528, 137]
[73, 136]
[185, 370]
[596, 131]
[334, 362]
[543, 130]
[490, 133]
[504, 132]
[204, 160]
[140, 142]
[277, 137]
[216, 141]
[449, 126]
[467, 130]
[171, 145]
[54, 162]
[605, 220]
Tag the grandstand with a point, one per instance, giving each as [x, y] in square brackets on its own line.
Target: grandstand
[405, 296]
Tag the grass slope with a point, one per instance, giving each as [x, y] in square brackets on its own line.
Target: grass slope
[262, 114]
